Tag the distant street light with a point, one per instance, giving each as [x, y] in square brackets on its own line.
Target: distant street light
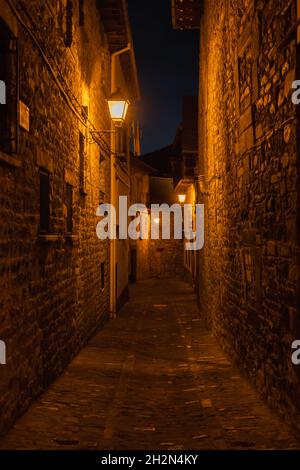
[181, 198]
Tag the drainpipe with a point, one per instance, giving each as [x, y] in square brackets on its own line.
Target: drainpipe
[114, 55]
[113, 187]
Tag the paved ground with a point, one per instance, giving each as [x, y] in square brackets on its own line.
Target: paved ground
[154, 378]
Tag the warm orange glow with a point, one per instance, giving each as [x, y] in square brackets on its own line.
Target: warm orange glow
[118, 110]
[181, 198]
[118, 107]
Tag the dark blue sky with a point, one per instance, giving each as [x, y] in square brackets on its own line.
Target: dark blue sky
[167, 62]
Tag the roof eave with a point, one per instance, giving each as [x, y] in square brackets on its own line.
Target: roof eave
[118, 31]
[182, 22]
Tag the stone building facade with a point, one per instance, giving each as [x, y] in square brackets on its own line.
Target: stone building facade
[149, 258]
[166, 259]
[248, 179]
[54, 172]
[166, 255]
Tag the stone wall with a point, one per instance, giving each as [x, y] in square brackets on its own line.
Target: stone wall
[166, 259]
[249, 269]
[160, 259]
[154, 258]
[52, 295]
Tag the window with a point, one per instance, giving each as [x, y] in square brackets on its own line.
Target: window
[69, 201]
[44, 202]
[69, 24]
[9, 90]
[81, 12]
[102, 275]
[81, 162]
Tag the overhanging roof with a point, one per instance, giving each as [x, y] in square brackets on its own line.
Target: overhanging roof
[138, 163]
[114, 15]
[183, 185]
[161, 160]
[186, 14]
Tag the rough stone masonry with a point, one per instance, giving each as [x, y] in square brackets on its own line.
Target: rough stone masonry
[249, 154]
[51, 295]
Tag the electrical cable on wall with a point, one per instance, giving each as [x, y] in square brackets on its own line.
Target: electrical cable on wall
[67, 93]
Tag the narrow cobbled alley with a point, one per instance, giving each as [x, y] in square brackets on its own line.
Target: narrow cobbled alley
[154, 378]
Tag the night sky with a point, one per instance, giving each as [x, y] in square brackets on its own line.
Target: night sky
[167, 62]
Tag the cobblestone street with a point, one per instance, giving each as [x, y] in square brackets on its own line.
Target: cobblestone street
[154, 378]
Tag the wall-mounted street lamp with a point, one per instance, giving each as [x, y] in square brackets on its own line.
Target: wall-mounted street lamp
[181, 198]
[118, 107]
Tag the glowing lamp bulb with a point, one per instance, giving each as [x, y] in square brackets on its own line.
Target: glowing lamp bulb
[118, 107]
[181, 198]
